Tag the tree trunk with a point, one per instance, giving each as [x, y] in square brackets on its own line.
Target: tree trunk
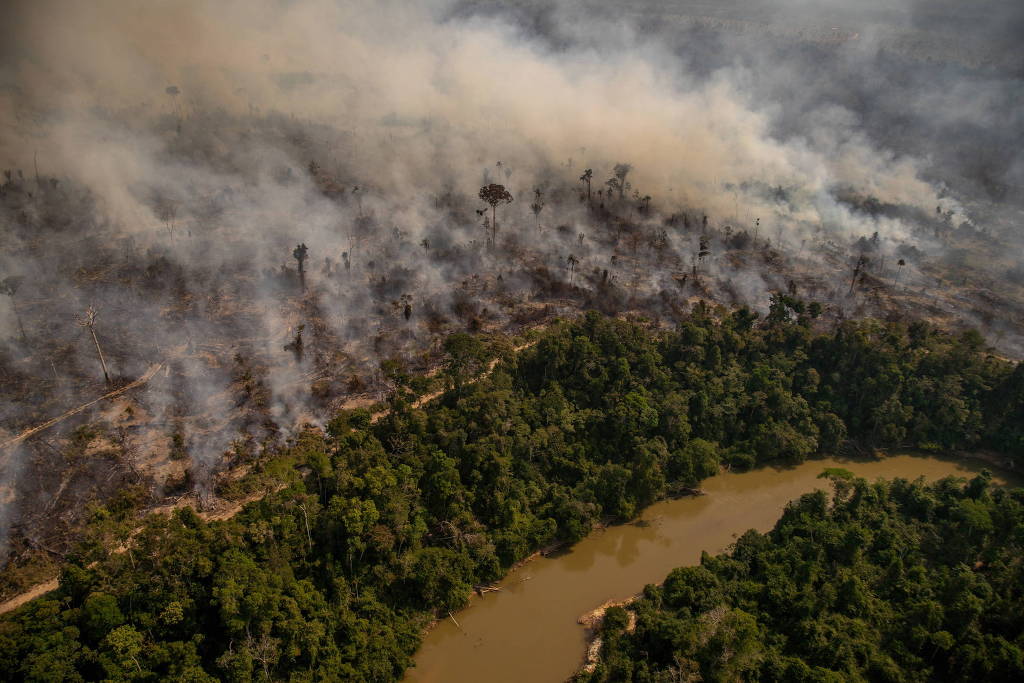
[17, 316]
[99, 352]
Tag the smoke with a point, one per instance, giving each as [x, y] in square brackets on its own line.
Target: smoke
[173, 153]
[422, 94]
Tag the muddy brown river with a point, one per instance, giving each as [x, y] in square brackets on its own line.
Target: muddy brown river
[529, 630]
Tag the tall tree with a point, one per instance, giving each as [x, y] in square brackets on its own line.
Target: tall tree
[587, 177]
[621, 171]
[495, 194]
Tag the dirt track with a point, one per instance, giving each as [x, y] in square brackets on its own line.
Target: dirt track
[214, 515]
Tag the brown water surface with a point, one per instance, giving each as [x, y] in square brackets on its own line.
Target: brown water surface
[529, 632]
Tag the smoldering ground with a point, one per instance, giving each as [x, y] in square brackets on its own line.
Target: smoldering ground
[167, 158]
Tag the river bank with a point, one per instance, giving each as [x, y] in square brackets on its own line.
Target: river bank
[529, 629]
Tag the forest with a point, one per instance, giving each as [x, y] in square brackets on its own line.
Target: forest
[372, 528]
[891, 581]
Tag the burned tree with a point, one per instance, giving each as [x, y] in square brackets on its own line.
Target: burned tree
[572, 262]
[704, 248]
[899, 270]
[173, 91]
[357, 193]
[300, 255]
[587, 177]
[296, 345]
[495, 194]
[538, 204]
[88, 319]
[620, 172]
[858, 268]
[9, 286]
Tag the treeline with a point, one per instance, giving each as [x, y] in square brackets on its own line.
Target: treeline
[892, 581]
[375, 528]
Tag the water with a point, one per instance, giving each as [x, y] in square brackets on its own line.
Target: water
[529, 630]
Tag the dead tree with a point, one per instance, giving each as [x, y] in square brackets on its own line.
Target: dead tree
[495, 194]
[572, 262]
[300, 255]
[704, 249]
[89, 320]
[359, 200]
[9, 286]
[862, 262]
[405, 302]
[296, 346]
[538, 204]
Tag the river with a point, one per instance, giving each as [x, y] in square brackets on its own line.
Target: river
[529, 630]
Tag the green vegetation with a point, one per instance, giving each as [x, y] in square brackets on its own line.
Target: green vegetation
[373, 529]
[892, 581]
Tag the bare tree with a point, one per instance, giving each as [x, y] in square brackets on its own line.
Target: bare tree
[88, 319]
[495, 194]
